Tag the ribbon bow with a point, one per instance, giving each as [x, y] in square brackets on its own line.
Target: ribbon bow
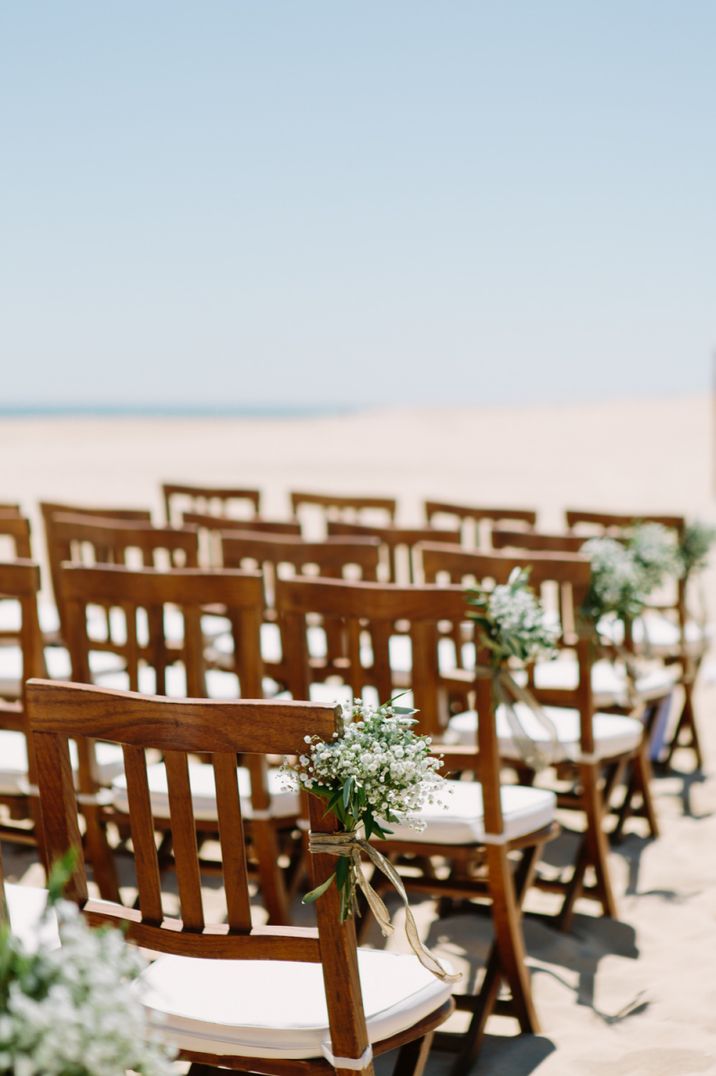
[349, 845]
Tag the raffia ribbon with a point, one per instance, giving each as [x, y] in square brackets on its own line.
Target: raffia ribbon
[349, 846]
[507, 692]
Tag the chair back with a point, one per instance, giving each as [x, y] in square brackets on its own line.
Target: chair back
[56, 553]
[615, 523]
[399, 546]
[335, 506]
[155, 620]
[366, 615]
[212, 527]
[94, 540]
[536, 542]
[219, 500]
[673, 600]
[562, 581]
[178, 728]
[476, 522]
[364, 619]
[333, 558]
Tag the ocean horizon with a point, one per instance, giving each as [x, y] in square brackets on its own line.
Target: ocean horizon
[154, 410]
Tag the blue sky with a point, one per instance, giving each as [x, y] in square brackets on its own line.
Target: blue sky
[377, 202]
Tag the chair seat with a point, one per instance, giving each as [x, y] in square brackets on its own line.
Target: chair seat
[613, 734]
[270, 1009]
[26, 905]
[13, 762]
[658, 634]
[284, 804]
[457, 815]
[609, 681]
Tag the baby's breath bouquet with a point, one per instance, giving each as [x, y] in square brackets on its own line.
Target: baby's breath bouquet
[696, 542]
[511, 620]
[617, 586]
[513, 625]
[375, 770]
[378, 770]
[655, 552]
[72, 1011]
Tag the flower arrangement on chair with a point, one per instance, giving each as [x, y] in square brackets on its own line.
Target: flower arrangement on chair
[513, 626]
[72, 1010]
[377, 770]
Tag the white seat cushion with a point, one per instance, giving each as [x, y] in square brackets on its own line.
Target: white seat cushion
[271, 1009]
[658, 633]
[457, 816]
[13, 762]
[284, 804]
[613, 734]
[26, 905]
[609, 682]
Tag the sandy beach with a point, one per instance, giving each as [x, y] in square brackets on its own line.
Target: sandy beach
[630, 997]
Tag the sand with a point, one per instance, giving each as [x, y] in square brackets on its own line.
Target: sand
[630, 997]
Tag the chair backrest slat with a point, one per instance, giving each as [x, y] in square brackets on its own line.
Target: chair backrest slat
[143, 835]
[233, 853]
[184, 839]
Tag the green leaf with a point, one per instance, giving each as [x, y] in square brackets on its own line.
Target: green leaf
[319, 890]
[347, 789]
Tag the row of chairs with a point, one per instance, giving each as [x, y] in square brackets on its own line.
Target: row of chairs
[186, 631]
[385, 553]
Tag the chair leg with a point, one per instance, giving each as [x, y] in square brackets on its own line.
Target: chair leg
[596, 838]
[509, 939]
[494, 970]
[643, 776]
[687, 721]
[413, 1056]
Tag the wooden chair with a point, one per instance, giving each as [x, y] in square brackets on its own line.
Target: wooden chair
[477, 521]
[666, 629]
[212, 527]
[232, 996]
[161, 660]
[19, 584]
[645, 697]
[400, 546]
[221, 500]
[276, 556]
[480, 824]
[56, 553]
[594, 746]
[334, 506]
